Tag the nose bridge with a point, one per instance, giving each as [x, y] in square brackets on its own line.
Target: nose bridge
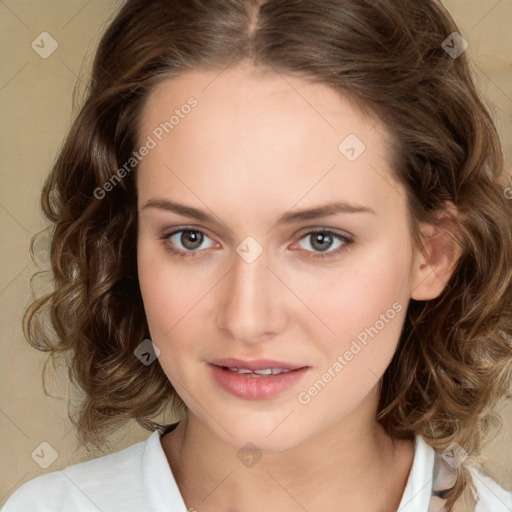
[249, 307]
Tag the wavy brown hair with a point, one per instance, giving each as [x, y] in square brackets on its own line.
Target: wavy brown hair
[453, 362]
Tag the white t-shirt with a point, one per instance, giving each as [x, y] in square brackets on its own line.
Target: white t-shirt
[139, 479]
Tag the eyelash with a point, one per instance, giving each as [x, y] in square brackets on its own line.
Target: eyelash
[348, 242]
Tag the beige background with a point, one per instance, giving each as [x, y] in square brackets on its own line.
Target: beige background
[36, 101]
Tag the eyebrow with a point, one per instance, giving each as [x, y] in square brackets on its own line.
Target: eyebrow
[286, 218]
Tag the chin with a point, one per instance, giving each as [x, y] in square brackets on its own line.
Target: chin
[267, 435]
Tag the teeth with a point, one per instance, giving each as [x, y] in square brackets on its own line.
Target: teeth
[242, 370]
[266, 371]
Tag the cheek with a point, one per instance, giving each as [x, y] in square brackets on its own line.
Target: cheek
[364, 306]
[174, 301]
[168, 298]
[167, 293]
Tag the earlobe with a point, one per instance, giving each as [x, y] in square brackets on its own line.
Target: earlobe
[435, 263]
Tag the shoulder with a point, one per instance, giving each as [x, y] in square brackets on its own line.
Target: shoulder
[431, 474]
[82, 486]
[485, 494]
[136, 478]
[490, 496]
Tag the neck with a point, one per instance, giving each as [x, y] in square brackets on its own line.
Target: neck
[344, 463]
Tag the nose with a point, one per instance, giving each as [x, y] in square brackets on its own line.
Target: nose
[250, 305]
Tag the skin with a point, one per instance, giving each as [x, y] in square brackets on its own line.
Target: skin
[257, 146]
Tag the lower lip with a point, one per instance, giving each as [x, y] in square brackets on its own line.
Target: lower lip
[255, 388]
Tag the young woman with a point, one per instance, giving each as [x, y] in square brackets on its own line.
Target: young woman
[288, 221]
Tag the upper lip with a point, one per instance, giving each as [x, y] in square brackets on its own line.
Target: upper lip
[256, 364]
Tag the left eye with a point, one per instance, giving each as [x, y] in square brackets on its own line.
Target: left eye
[322, 240]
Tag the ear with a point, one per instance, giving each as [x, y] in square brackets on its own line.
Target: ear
[435, 263]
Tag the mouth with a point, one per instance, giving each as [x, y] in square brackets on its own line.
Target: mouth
[255, 380]
[266, 372]
[256, 365]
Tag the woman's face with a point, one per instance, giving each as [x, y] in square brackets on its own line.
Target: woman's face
[252, 278]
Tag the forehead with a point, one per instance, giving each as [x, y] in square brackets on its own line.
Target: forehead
[259, 136]
[246, 97]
